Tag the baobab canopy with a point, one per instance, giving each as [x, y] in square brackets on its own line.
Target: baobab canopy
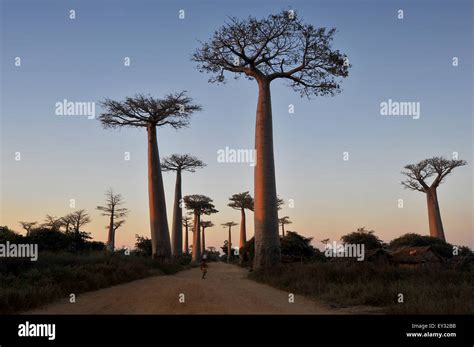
[279, 46]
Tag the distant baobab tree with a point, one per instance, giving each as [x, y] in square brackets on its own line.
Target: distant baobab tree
[200, 205]
[229, 242]
[179, 163]
[148, 112]
[204, 225]
[116, 213]
[66, 222]
[27, 226]
[52, 223]
[79, 218]
[417, 175]
[284, 221]
[186, 224]
[241, 202]
[280, 46]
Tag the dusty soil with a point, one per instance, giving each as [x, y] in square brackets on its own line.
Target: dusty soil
[226, 290]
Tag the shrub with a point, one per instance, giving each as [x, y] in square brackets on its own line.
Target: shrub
[415, 240]
[427, 290]
[365, 237]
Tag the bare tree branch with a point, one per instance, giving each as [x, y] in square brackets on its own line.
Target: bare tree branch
[279, 46]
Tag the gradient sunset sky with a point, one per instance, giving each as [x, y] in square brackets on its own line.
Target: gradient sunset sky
[64, 157]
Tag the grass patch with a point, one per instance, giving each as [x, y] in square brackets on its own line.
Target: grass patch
[435, 290]
[25, 285]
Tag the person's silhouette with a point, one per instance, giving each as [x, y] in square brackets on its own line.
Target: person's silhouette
[204, 267]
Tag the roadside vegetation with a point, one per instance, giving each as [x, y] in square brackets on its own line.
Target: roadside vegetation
[66, 266]
[443, 287]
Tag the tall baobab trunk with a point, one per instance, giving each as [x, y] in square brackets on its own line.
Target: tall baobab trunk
[197, 238]
[203, 240]
[186, 242]
[177, 225]
[160, 237]
[111, 238]
[267, 242]
[434, 215]
[282, 230]
[229, 245]
[243, 235]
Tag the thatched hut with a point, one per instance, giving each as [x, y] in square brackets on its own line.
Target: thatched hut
[416, 256]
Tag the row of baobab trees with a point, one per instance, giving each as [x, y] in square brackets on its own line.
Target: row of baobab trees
[278, 47]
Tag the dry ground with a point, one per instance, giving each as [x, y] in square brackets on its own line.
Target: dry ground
[225, 291]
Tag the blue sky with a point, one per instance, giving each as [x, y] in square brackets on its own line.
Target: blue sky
[82, 60]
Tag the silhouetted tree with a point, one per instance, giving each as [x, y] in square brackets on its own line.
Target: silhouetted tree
[27, 226]
[179, 163]
[284, 221]
[229, 242]
[148, 112]
[204, 225]
[52, 222]
[66, 222]
[199, 204]
[242, 201]
[186, 224]
[280, 46]
[417, 175]
[115, 213]
[79, 218]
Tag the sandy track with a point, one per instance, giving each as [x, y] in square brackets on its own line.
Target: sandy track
[225, 291]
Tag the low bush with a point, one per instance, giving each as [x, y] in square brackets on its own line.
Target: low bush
[427, 290]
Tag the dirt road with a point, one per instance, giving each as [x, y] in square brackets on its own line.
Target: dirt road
[225, 291]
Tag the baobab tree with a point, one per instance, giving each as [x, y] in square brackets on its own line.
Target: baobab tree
[200, 205]
[116, 213]
[280, 46]
[204, 225]
[179, 163]
[229, 242]
[284, 221]
[148, 112]
[52, 222]
[79, 218]
[241, 202]
[66, 222]
[186, 224]
[27, 226]
[417, 175]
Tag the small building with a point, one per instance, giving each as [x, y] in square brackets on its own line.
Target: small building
[416, 256]
[378, 256]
